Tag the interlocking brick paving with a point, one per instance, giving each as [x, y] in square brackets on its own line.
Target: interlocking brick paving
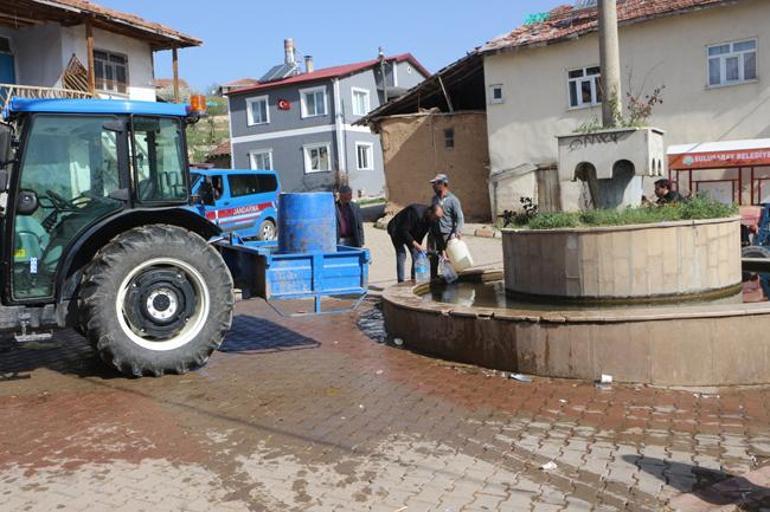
[324, 413]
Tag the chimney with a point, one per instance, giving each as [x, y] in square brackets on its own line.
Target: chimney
[309, 65]
[288, 48]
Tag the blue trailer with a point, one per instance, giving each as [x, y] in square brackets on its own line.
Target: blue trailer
[260, 270]
[98, 235]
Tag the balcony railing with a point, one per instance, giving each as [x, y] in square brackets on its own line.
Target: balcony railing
[10, 91]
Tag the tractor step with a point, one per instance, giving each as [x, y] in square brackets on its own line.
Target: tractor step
[34, 337]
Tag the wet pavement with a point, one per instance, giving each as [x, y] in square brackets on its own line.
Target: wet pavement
[326, 414]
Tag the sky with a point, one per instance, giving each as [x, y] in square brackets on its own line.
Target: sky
[243, 38]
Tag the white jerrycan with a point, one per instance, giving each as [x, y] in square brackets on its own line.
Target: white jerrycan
[459, 255]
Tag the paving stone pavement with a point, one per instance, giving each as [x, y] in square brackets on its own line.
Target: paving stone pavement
[325, 414]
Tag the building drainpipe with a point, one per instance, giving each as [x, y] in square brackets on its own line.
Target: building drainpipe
[339, 131]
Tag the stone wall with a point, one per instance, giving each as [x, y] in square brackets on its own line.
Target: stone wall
[415, 148]
[624, 262]
[695, 345]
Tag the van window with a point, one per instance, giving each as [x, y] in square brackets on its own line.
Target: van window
[247, 184]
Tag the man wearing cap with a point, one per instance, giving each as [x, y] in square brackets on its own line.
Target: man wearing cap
[450, 225]
[350, 222]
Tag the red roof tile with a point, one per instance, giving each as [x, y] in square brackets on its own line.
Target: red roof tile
[567, 22]
[333, 72]
[221, 149]
[103, 17]
[241, 82]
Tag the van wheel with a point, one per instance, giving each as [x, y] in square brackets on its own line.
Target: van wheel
[156, 299]
[266, 230]
[755, 251]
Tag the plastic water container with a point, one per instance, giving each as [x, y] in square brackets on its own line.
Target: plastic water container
[459, 255]
[422, 268]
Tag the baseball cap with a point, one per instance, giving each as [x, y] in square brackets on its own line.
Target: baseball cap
[440, 177]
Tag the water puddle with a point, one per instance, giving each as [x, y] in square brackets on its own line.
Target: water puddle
[756, 288]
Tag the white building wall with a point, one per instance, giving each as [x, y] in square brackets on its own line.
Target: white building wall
[670, 51]
[140, 63]
[37, 52]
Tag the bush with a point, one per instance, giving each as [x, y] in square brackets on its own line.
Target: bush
[697, 208]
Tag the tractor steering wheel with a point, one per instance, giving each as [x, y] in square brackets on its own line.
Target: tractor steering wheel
[58, 201]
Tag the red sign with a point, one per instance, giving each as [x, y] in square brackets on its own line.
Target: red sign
[720, 159]
[284, 104]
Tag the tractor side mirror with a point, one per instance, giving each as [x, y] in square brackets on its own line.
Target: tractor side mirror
[27, 202]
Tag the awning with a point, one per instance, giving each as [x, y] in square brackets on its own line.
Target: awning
[719, 155]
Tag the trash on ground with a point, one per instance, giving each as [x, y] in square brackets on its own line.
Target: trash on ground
[606, 379]
[520, 377]
[379, 372]
[549, 466]
[398, 342]
[563, 401]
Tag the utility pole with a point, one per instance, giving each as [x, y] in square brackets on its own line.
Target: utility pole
[609, 56]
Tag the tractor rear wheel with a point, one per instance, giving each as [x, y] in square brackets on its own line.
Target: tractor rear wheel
[156, 299]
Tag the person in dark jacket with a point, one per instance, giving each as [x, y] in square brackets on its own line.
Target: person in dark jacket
[665, 193]
[350, 222]
[407, 231]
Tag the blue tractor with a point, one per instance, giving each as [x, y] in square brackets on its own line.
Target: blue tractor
[99, 234]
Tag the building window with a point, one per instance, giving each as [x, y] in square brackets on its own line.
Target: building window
[584, 87]
[250, 184]
[313, 102]
[732, 63]
[496, 94]
[365, 156]
[257, 111]
[361, 105]
[317, 158]
[262, 159]
[449, 138]
[111, 71]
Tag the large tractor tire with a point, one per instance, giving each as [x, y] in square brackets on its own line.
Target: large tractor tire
[156, 299]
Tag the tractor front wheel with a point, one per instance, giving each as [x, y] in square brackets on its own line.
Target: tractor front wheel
[156, 299]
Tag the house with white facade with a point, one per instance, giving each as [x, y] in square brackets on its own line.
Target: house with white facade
[77, 48]
[713, 57]
[299, 122]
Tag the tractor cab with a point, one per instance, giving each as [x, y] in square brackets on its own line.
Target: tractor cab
[75, 164]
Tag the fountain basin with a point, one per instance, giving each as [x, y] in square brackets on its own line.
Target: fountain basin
[643, 262]
[700, 344]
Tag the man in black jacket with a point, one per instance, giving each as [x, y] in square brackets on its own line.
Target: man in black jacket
[350, 222]
[407, 231]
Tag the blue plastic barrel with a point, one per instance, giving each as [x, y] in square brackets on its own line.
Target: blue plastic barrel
[307, 222]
